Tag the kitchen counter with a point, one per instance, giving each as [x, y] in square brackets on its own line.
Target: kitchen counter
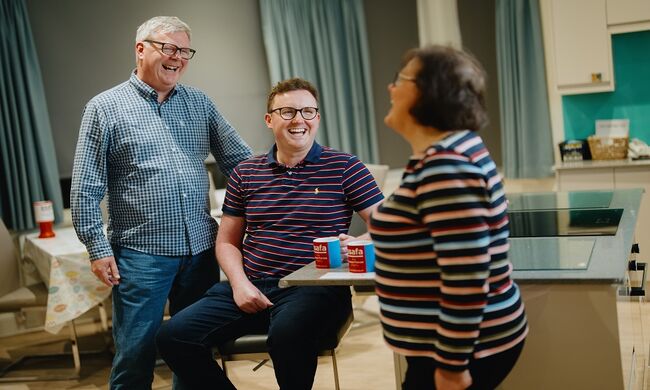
[585, 333]
[590, 164]
[607, 261]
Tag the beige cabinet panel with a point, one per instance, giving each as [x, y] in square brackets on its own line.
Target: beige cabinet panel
[627, 11]
[585, 179]
[582, 45]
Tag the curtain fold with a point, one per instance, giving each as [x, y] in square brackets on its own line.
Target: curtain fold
[526, 135]
[28, 167]
[325, 42]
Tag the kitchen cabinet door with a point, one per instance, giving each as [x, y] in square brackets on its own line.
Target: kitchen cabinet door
[627, 11]
[585, 179]
[582, 46]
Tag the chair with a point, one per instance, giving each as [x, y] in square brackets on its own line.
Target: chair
[15, 300]
[379, 173]
[358, 227]
[254, 347]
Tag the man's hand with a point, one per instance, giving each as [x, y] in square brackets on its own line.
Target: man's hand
[452, 380]
[106, 270]
[249, 298]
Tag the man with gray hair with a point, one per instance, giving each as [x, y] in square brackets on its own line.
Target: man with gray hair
[143, 144]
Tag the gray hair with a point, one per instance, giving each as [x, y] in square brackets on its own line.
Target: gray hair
[161, 24]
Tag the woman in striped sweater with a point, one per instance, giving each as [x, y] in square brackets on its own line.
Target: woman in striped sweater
[443, 276]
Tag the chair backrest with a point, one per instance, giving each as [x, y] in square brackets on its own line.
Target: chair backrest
[9, 272]
[379, 172]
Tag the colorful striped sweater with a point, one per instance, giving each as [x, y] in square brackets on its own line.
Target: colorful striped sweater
[442, 268]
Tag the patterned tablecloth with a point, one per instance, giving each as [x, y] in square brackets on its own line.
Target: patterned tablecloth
[62, 262]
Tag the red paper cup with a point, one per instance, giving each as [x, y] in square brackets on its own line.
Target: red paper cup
[327, 252]
[361, 256]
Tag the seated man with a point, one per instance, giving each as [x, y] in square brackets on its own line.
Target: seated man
[283, 200]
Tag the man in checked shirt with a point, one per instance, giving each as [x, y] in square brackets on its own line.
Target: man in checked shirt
[143, 143]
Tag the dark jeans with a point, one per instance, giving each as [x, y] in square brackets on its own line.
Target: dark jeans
[147, 281]
[486, 373]
[299, 317]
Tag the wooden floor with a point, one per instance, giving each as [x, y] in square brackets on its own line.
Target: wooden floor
[364, 362]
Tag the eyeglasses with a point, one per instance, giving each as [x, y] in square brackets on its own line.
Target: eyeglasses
[169, 49]
[289, 113]
[399, 77]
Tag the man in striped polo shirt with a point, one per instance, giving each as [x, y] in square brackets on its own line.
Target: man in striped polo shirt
[275, 205]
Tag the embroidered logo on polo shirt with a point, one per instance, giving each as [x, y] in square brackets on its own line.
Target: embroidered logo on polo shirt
[316, 191]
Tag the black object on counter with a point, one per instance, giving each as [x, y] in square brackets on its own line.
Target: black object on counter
[564, 222]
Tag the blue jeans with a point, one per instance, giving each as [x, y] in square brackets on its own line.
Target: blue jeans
[147, 281]
[299, 317]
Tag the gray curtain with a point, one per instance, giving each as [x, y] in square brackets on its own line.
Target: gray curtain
[526, 137]
[28, 168]
[324, 42]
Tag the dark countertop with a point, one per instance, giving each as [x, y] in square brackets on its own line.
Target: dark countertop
[607, 262]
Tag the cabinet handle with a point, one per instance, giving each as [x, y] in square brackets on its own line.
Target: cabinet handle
[597, 77]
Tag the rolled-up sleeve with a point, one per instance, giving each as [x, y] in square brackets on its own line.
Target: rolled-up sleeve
[226, 145]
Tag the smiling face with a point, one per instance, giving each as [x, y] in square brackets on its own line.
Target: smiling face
[404, 94]
[158, 70]
[293, 136]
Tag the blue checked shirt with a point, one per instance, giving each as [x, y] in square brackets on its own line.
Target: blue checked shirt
[148, 157]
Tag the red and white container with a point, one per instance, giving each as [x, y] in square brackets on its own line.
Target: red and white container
[361, 256]
[44, 215]
[327, 252]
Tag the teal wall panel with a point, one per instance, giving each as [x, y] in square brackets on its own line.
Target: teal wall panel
[630, 99]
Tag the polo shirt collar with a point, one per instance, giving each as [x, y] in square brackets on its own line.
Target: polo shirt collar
[312, 157]
[144, 88]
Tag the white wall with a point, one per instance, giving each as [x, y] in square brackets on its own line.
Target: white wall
[85, 47]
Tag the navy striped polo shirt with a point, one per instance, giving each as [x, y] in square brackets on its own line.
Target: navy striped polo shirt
[286, 208]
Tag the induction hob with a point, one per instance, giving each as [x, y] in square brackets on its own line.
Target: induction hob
[564, 222]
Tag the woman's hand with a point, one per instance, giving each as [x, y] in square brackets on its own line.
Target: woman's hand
[452, 380]
[345, 239]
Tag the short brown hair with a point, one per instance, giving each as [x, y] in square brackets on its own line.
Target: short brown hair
[293, 84]
[452, 89]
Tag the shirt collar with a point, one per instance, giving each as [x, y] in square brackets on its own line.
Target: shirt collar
[144, 88]
[312, 157]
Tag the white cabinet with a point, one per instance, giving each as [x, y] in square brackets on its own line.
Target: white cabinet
[582, 46]
[627, 11]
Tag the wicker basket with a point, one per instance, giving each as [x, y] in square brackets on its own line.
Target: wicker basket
[608, 148]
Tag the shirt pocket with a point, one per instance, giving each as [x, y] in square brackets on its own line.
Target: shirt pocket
[137, 144]
[191, 133]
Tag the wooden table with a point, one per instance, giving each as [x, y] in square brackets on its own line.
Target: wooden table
[309, 275]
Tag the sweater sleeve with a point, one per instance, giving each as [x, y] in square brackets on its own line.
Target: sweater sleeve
[454, 204]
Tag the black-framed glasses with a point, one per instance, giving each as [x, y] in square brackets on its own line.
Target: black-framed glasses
[401, 77]
[289, 113]
[169, 49]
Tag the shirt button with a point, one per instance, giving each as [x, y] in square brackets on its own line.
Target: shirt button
[173, 149]
[184, 195]
[180, 171]
[290, 173]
